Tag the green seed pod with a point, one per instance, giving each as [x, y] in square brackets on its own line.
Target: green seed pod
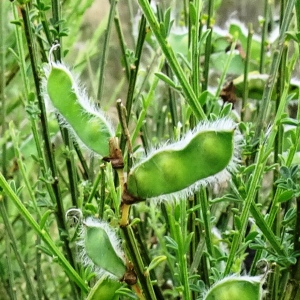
[236, 288]
[205, 155]
[257, 83]
[101, 249]
[88, 124]
[104, 289]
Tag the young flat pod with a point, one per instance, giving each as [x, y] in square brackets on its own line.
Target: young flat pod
[236, 288]
[88, 124]
[101, 249]
[204, 155]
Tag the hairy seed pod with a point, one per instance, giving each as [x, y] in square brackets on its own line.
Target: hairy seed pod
[104, 289]
[203, 156]
[101, 249]
[236, 288]
[88, 124]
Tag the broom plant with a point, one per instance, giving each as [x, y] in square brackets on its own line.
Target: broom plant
[128, 171]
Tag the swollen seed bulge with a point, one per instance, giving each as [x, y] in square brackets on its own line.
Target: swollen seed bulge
[187, 164]
[101, 249]
[87, 123]
[236, 288]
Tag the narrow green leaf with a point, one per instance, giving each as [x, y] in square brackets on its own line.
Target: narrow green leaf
[285, 196]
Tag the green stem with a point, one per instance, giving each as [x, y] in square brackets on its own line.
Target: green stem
[182, 261]
[7, 257]
[39, 272]
[266, 230]
[266, 98]
[102, 197]
[172, 99]
[2, 84]
[246, 71]
[105, 48]
[206, 221]
[191, 227]
[198, 256]
[135, 68]
[294, 148]
[71, 169]
[195, 48]
[279, 90]
[178, 225]
[85, 168]
[263, 37]
[56, 17]
[133, 75]
[139, 267]
[187, 90]
[96, 184]
[45, 24]
[208, 45]
[297, 8]
[122, 44]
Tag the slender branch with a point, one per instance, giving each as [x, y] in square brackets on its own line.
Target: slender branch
[187, 90]
[273, 70]
[105, 48]
[133, 75]
[246, 71]
[263, 37]
[139, 267]
[208, 45]
[122, 44]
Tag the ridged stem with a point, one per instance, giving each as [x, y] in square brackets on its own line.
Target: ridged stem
[266, 98]
[246, 71]
[105, 48]
[133, 75]
[139, 267]
[263, 38]
[187, 90]
[195, 48]
[208, 45]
